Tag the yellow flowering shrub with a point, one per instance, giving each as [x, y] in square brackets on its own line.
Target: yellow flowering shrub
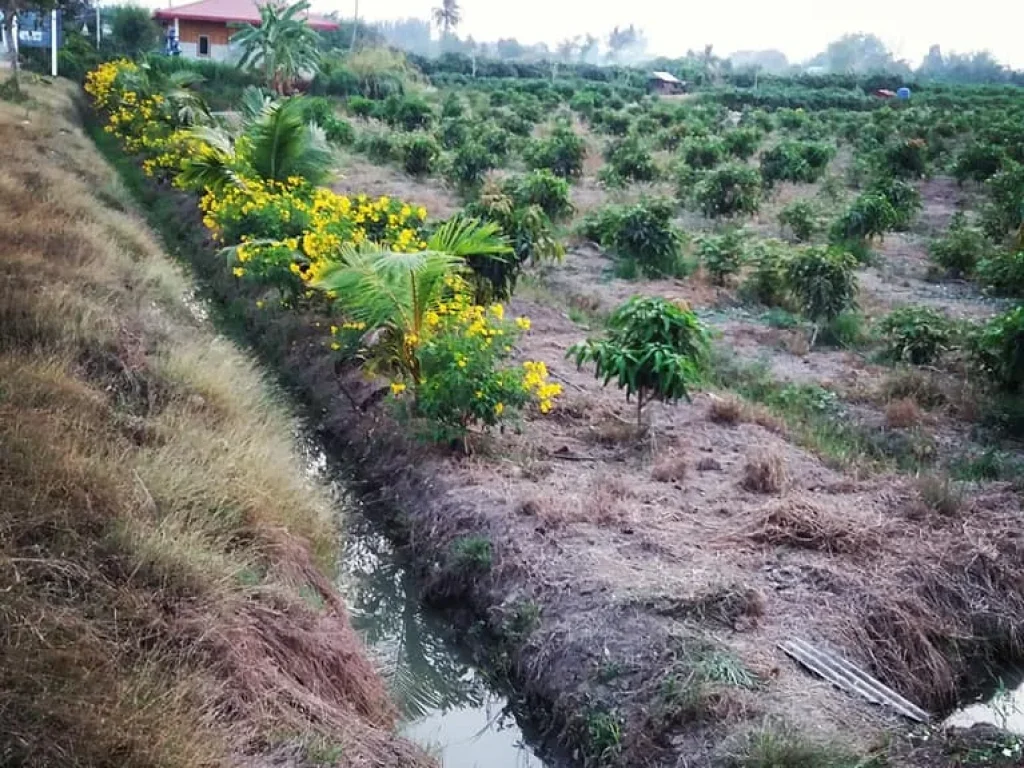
[288, 232]
[465, 379]
[285, 234]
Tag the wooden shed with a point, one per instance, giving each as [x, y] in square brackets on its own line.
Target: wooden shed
[665, 83]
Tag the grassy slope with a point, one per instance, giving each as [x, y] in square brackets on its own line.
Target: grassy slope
[164, 565]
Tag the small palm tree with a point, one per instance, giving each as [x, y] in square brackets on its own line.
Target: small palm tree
[394, 291]
[283, 45]
[447, 16]
[275, 143]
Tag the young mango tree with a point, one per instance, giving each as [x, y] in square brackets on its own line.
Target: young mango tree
[823, 283]
[654, 349]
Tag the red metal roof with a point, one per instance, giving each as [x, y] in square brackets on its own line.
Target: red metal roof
[239, 11]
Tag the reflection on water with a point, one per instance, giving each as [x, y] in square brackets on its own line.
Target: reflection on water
[1004, 710]
[447, 706]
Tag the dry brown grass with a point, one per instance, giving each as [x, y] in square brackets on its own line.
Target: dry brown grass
[731, 410]
[160, 542]
[902, 413]
[799, 522]
[765, 472]
[725, 410]
[670, 469]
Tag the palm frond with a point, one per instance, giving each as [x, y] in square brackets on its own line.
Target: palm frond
[281, 144]
[253, 102]
[464, 237]
[214, 166]
[383, 288]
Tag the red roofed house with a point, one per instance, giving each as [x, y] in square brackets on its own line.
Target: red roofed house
[203, 29]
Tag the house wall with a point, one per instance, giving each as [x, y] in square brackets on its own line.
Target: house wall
[219, 34]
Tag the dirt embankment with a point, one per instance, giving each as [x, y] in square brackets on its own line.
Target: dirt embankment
[634, 590]
[165, 590]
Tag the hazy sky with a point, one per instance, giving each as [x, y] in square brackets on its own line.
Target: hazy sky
[800, 28]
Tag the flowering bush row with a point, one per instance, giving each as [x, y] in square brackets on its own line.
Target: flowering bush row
[449, 359]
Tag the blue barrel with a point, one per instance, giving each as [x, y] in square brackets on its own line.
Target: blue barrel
[903, 94]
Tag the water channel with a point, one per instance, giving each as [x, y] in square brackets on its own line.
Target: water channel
[447, 705]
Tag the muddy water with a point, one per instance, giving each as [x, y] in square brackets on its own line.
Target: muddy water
[447, 705]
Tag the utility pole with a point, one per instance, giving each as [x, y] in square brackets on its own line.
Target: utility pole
[53, 43]
[355, 26]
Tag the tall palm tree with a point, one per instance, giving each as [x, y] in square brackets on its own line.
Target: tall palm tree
[447, 16]
[284, 46]
[275, 142]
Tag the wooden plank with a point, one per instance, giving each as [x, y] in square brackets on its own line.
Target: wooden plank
[850, 678]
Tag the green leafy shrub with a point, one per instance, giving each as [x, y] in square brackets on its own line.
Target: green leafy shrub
[722, 255]
[1002, 272]
[527, 227]
[562, 153]
[978, 161]
[798, 161]
[802, 219]
[702, 152]
[453, 132]
[844, 330]
[870, 215]
[915, 335]
[766, 281]
[641, 237]
[997, 350]
[822, 281]
[904, 198]
[498, 142]
[1005, 209]
[907, 158]
[960, 250]
[452, 106]
[653, 348]
[467, 165]
[732, 189]
[380, 147]
[410, 113]
[742, 142]
[629, 159]
[321, 111]
[616, 123]
[544, 189]
[360, 106]
[419, 154]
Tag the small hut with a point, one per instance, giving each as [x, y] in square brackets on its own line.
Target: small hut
[665, 84]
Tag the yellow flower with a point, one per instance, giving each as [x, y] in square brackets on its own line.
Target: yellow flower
[260, 304]
[499, 409]
[334, 330]
[523, 323]
[421, 213]
[238, 271]
[397, 388]
[498, 311]
[335, 346]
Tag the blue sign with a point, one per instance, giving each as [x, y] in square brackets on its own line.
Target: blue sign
[34, 29]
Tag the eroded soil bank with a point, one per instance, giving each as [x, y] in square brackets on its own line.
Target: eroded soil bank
[634, 590]
[166, 569]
